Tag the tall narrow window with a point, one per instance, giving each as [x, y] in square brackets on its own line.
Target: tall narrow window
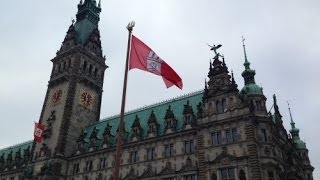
[187, 119]
[234, 135]
[264, 135]
[84, 66]
[64, 65]
[89, 165]
[103, 163]
[90, 69]
[223, 105]
[95, 72]
[216, 138]
[134, 156]
[228, 136]
[168, 150]
[188, 147]
[151, 153]
[218, 107]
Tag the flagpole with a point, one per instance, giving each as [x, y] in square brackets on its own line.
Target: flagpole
[116, 169]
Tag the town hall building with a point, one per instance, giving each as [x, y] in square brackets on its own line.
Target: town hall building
[223, 132]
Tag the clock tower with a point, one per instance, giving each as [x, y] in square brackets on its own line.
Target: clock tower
[74, 93]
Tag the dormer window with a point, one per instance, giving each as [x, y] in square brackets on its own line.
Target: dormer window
[151, 128]
[187, 119]
[136, 129]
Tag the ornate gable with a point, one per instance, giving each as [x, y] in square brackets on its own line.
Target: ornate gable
[188, 166]
[167, 169]
[148, 172]
[131, 175]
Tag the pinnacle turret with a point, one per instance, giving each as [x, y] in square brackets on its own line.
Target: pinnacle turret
[250, 88]
[295, 133]
[87, 19]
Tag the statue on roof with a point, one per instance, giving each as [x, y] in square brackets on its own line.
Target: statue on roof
[214, 49]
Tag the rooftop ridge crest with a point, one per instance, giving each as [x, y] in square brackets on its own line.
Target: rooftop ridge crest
[16, 145]
[150, 106]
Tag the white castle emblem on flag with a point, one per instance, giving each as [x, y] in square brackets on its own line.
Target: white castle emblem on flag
[154, 63]
[38, 132]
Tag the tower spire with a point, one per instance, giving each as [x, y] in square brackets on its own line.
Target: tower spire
[295, 133]
[246, 62]
[248, 74]
[291, 119]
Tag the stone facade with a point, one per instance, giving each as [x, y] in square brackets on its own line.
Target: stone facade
[219, 133]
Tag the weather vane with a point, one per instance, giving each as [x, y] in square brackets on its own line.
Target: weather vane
[214, 49]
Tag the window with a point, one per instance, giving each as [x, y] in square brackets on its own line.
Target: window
[264, 135]
[228, 174]
[216, 138]
[228, 136]
[218, 107]
[190, 177]
[168, 150]
[76, 168]
[187, 119]
[271, 175]
[95, 72]
[259, 105]
[134, 156]
[234, 134]
[223, 105]
[188, 147]
[151, 128]
[103, 163]
[90, 68]
[151, 153]
[89, 165]
[85, 66]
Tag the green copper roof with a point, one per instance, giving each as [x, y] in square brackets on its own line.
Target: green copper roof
[300, 144]
[177, 106]
[252, 89]
[14, 149]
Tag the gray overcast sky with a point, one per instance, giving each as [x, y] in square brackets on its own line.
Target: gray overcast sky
[282, 39]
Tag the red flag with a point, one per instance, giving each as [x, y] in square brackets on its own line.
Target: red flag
[38, 132]
[144, 58]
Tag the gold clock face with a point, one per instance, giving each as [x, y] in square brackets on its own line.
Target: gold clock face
[57, 96]
[86, 99]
